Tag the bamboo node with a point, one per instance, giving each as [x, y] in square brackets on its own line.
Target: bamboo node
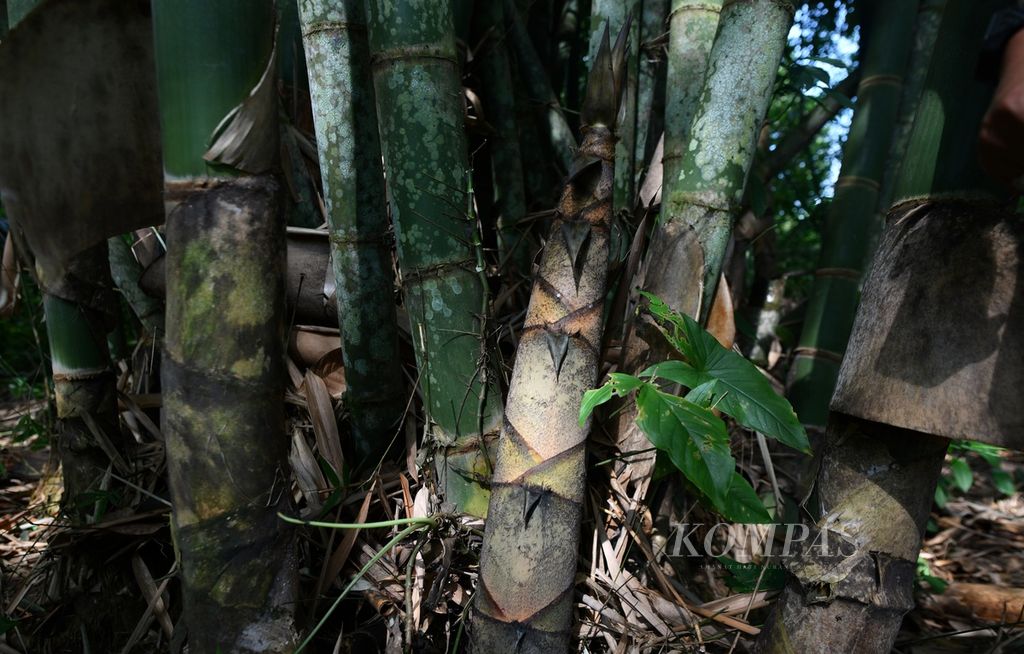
[818, 353]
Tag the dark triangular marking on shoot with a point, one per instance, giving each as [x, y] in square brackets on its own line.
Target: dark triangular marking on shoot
[576, 236]
[558, 347]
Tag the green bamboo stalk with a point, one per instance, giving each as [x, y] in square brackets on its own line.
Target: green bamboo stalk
[528, 559]
[926, 31]
[345, 116]
[126, 272]
[703, 191]
[613, 14]
[941, 156]
[851, 216]
[222, 371]
[555, 128]
[506, 159]
[420, 116]
[876, 483]
[80, 310]
[692, 27]
[194, 98]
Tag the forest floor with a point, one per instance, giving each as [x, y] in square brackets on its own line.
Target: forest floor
[629, 593]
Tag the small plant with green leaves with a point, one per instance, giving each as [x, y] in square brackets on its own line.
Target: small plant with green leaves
[925, 577]
[961, 477]
[686, 428]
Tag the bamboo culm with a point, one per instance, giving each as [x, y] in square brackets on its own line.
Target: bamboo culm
[420, 116]
[344, 113]
[222, 370]
[528, 559]
[851, 219]
[704, 180]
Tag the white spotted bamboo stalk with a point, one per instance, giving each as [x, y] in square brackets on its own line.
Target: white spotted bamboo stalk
[341, 88]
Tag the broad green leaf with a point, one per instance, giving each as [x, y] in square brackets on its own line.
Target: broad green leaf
[679, 372]
[941, 496]
[623, 384]
[742, 503]
[593, 398]
[703, 394]
[841, 98]
[657, 307]
[618, 383]
[1003, 481]
[962, 475]
[694, 439]
[746, 394]
[837, 63]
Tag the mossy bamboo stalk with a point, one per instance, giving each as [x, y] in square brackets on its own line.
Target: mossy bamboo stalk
[876, 483]
[702, 194]
[528, 560]
[692, 27]
[706, 189]
[420, 115]
[613, 14]
[506, 158]
[18, 9]
[851, 216]
[222, 371]
[338, 61]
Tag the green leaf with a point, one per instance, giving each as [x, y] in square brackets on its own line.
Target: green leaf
[837, 63]
[694, 438]
[704, 394]
[593, 398]
[624, 384]
[7, 623]
[657, 307]
[962, 475]
[679, 372]
[1003, 481]
[747, 395]
[619, 384]
[742, 504]
[941, 496]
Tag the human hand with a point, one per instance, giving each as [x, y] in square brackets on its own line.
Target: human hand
[1001, 139]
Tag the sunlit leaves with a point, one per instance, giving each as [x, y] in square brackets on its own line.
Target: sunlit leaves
[686, 428]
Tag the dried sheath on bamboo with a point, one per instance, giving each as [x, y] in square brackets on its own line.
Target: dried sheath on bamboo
[528, 560]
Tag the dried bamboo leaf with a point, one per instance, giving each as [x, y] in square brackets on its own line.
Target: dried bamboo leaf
[325, 425]
[721, 322]
[331, 368]
[247, 137]
[307, 473]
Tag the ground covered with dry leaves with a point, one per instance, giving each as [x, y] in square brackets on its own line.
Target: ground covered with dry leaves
[637, 591]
